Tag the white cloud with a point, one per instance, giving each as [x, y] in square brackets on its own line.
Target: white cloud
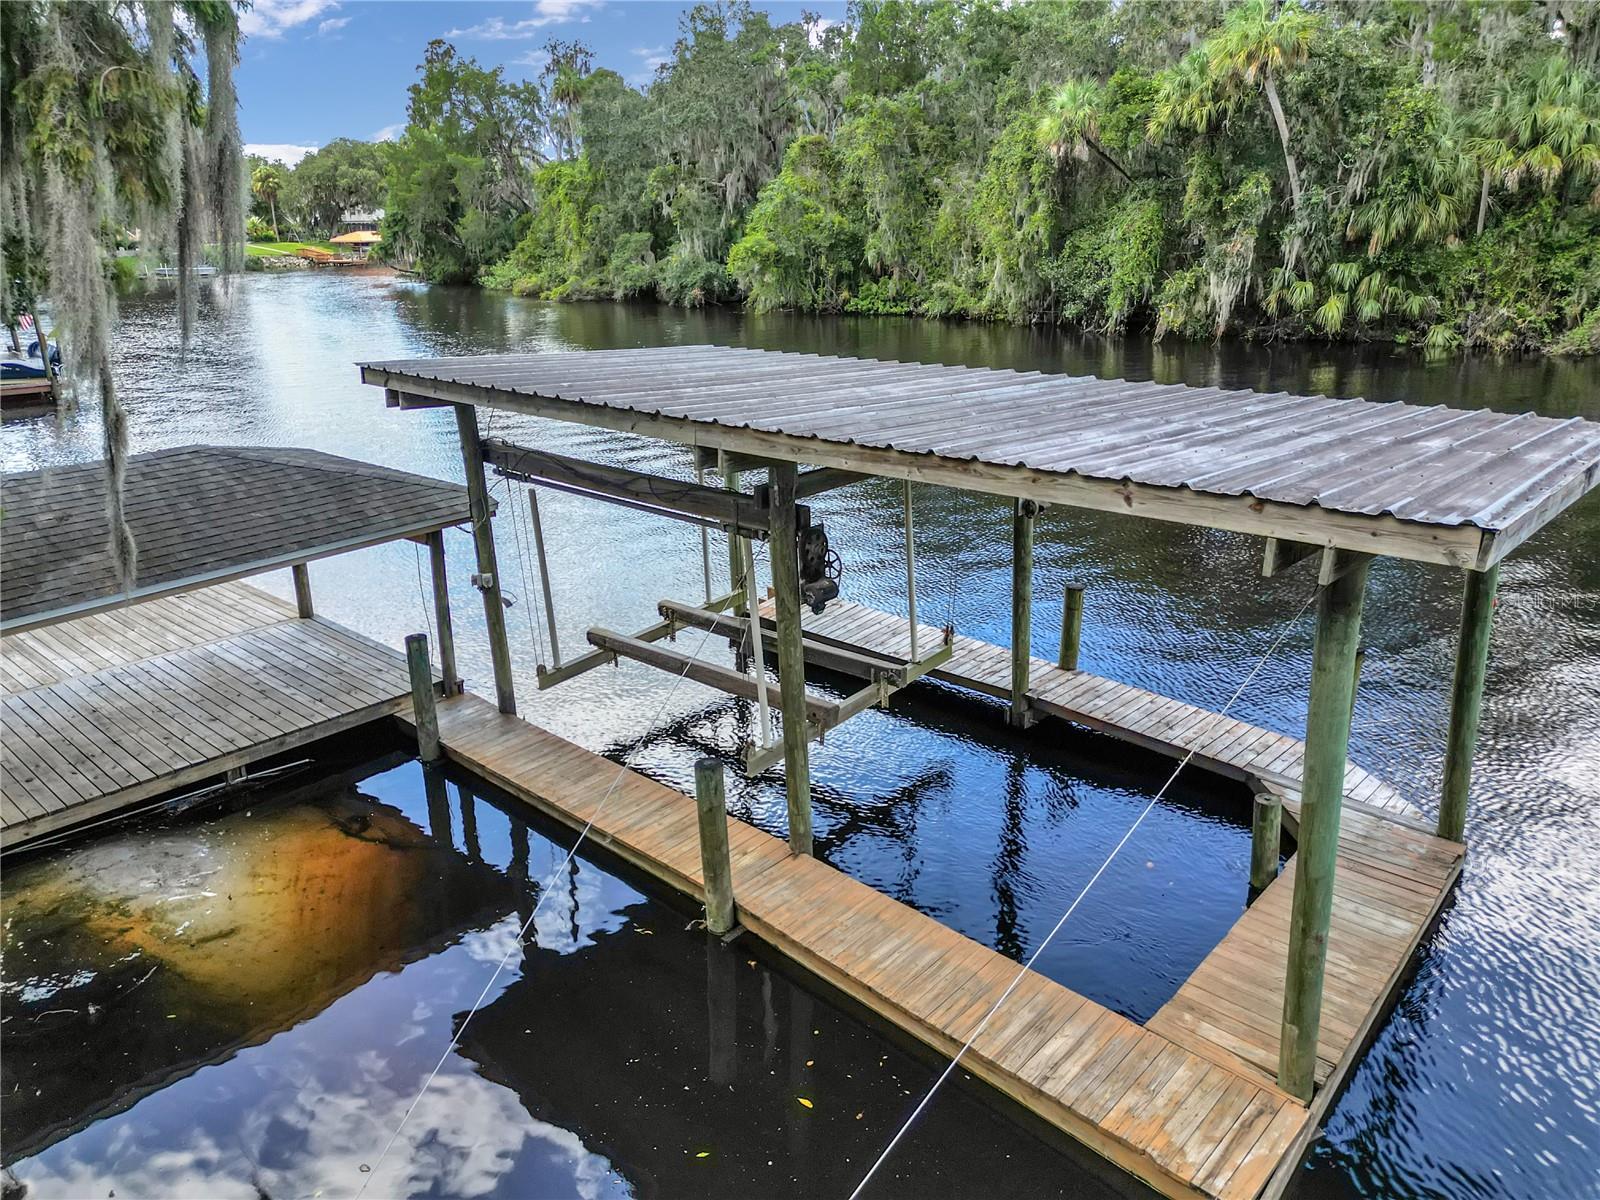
[650, 58]
[819, 27]
[331, 24]
[389, 132]
[269, 18]
[545, 12]
[284, 152]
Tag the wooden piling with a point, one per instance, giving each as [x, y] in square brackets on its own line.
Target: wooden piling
[1466, 699]
[424, 712]
[1023, 513]
[488, 581]
[1322, 797]
[715, 864]
[439, 569]
[302, 591]
[738, 548]
[791, 654]
[1266, 829]
[1071, 627]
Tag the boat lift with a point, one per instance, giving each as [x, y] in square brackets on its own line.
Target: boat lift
[744, 518]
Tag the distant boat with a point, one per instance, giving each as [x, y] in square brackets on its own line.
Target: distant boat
[169, 272]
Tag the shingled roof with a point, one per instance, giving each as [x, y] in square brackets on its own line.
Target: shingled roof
[200, 515]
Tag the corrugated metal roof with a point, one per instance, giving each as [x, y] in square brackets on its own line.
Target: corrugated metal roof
[1435, 466]
[199, 514]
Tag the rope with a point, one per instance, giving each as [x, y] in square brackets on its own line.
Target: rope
[544, 892]
[1078, 899]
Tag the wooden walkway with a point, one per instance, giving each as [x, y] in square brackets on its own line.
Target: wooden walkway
[1259, 757]
[106, 711]
[1389, 884]
[1183, 1121]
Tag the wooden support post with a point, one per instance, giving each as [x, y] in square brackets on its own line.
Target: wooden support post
[1071, 627]
[302, 591]
[424, 714]
[1466, 699]
[1021, 609]
[738, 548]
[1266, 830]
[705, 532]
[715, 866]
[791, 655]
[1321, 798]
[911, 572]
[441, 613]
[488, 577]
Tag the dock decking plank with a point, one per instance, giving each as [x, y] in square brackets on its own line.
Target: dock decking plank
[133, 703]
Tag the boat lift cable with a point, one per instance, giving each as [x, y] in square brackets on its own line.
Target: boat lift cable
[1023, 970]
[546, 890]
[535, 639]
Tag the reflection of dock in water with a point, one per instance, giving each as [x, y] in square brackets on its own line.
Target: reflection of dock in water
[317, 891]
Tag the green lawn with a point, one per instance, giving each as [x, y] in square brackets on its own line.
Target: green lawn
[272, 249]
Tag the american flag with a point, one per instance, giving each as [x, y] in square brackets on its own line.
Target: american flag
[26, 322]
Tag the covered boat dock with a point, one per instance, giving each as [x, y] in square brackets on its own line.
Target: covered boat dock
[117, 695]
[1220, 1093]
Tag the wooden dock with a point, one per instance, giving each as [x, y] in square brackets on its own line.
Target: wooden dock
[1188, 1102]
[1224, 745]
[109, 710]
[106, 711]
[1182, 1121]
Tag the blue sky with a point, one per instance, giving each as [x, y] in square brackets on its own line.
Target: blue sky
[314, 70]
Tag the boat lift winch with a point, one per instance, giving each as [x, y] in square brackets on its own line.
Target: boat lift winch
[738, 615]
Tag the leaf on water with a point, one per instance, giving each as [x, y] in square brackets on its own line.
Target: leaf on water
[860, 1115]
[811, 1062]
[805, 1102]
[651, 932]
[703, 1154]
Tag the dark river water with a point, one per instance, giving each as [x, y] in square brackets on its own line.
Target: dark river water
[246, 1003]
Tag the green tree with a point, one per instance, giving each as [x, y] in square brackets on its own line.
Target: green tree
[266, 183]
[1258, 43]
[460, 182]
[345, 174]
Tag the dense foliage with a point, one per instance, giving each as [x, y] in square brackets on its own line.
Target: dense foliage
[114, 118]
[1425, 172]
[307, 200]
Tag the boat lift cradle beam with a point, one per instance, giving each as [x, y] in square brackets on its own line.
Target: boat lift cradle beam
[696, 503]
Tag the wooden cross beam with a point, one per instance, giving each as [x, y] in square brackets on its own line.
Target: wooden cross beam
[674, 498]
[824, 714]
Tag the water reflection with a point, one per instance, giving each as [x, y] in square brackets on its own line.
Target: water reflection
[248, 1004]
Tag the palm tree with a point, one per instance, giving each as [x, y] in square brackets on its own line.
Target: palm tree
[1256, 44]
[267, 182]
[1072, 123]
[1253, 48]
[1543, 127]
